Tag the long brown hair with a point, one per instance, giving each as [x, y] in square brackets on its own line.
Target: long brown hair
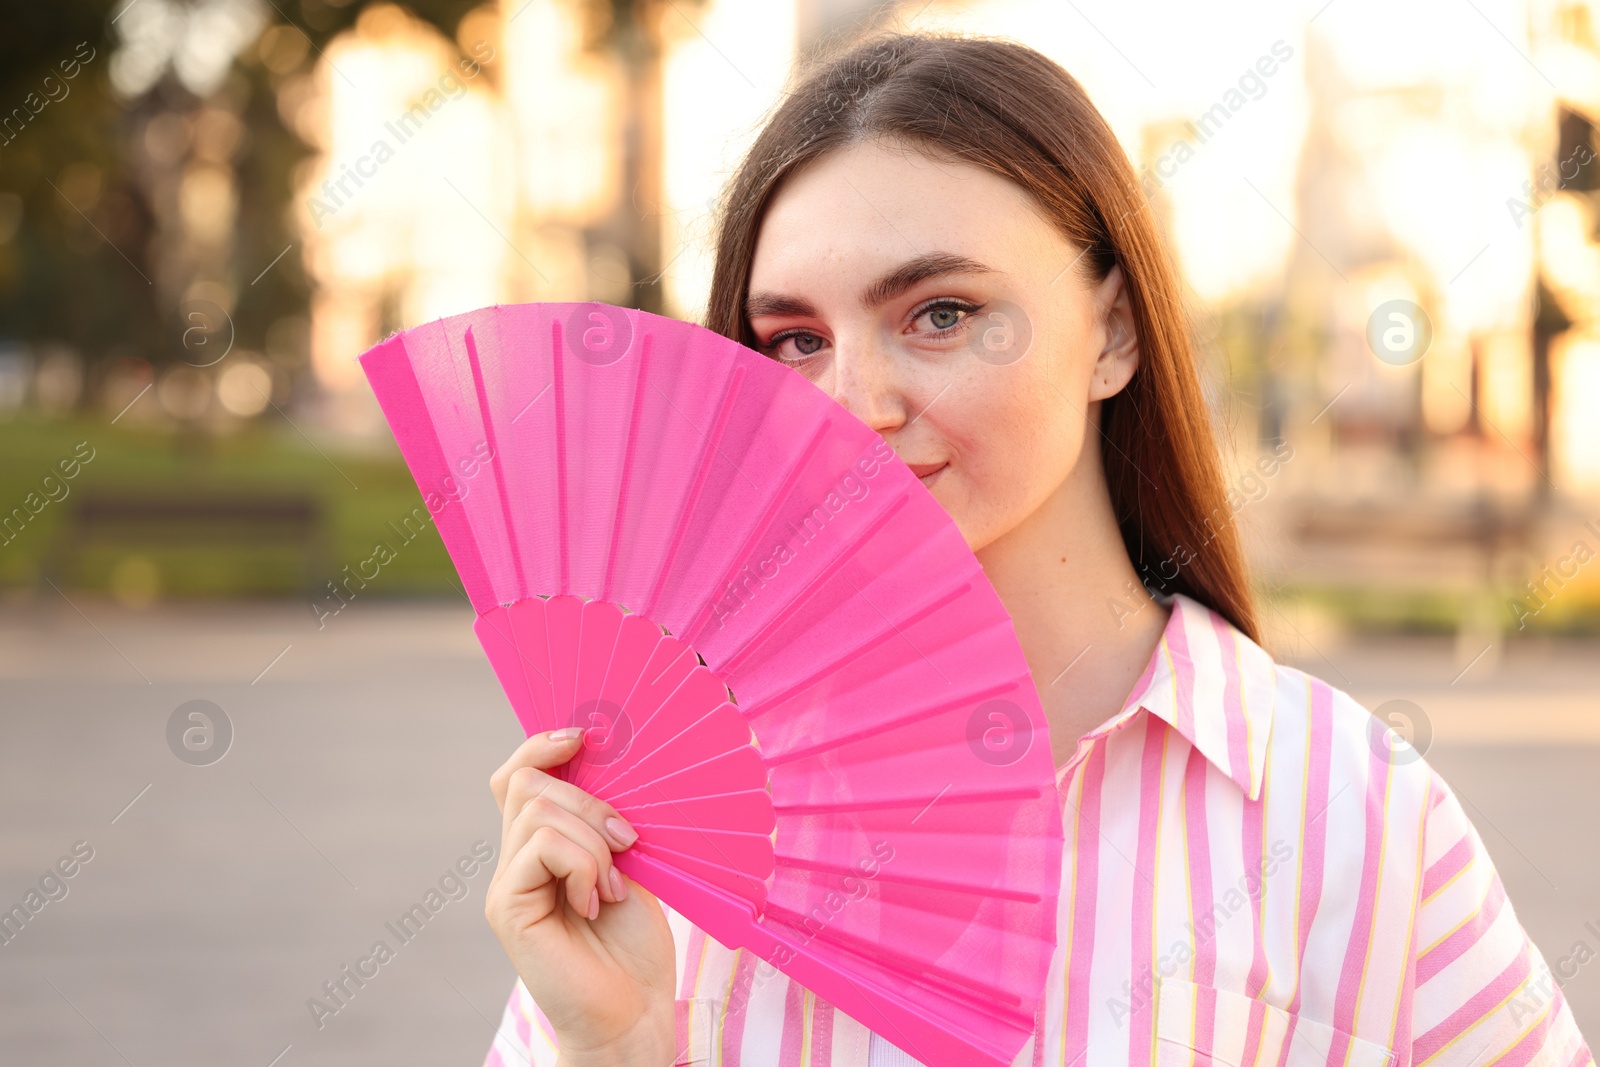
[1006, 108]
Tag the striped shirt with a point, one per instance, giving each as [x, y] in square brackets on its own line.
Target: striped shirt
[1255, 874]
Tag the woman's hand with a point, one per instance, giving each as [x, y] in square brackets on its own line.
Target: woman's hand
[593, 948]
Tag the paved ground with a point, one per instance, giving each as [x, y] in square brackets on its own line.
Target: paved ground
[220, 898]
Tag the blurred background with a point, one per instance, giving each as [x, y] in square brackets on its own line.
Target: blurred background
[1387, 216]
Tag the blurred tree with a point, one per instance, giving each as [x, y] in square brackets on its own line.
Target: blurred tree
[82, 199]
[633, 33]
[59, 279]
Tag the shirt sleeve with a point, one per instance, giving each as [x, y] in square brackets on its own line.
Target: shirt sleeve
[1483, 993]
[525, 1037]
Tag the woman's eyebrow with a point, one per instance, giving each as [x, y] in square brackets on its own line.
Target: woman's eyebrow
[920, 268]
[884, 289]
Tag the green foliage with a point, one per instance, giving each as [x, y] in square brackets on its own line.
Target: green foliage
[270, 458]
[84, 275]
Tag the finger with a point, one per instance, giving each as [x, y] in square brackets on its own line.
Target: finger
[540, 751]
[527, 783]
[543, 812]
[547, 855]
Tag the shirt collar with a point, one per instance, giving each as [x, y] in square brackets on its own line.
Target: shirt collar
[1212, 684]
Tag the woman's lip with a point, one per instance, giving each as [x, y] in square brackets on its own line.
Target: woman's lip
[926, 471]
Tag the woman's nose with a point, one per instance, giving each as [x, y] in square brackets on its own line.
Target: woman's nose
[865, 382]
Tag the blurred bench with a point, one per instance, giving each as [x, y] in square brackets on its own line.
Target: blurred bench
[1414, 543]
[168, 519]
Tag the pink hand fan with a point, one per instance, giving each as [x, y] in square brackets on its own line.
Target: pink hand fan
[799, 685]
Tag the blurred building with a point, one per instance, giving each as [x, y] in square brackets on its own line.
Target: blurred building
[529, 159]
[1312, 175]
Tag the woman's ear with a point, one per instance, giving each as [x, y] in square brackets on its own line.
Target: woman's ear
[1119, 355]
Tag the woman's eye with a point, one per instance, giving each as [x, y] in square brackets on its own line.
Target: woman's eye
[946, 317]
[805, 345]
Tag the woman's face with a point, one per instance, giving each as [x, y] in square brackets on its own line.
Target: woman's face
[936, 303]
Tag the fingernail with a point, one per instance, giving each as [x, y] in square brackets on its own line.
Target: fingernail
[594, 904]
[625, 834]
[619, 888]
[571, 733]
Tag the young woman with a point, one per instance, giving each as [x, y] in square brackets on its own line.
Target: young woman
[1253, 875]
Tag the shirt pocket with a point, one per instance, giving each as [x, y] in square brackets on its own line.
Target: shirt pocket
[1210, 1027]
[697, 1019]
